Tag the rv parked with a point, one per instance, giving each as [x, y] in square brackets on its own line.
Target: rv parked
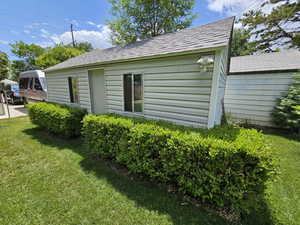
[33, 86]
[11, 90]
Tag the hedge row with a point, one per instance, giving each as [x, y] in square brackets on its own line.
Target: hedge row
[224, 172]
[58, 119]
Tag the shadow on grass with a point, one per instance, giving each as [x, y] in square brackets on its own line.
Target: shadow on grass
[145, 194]
[288, 134]
[282, 133]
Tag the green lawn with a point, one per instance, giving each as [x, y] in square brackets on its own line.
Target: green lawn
[47, 180]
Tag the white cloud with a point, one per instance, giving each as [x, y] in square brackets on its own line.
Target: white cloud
[98, 38]
[238, 7]
[72, 21]
[233, 7]
[45, 33]
[91, 23]
[33, 25]
[94, 24]
[4, 42]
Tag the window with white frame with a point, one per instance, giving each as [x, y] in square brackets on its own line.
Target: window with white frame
[73, 89]
[133, 93]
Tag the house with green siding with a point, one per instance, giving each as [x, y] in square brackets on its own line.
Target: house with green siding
[178, 77]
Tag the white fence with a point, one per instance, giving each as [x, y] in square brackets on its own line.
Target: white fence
[252, 97]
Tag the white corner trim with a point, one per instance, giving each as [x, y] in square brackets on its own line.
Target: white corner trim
[214, 91]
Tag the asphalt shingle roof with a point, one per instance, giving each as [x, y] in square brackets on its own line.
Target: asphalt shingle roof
[211, 35]
[286, 60]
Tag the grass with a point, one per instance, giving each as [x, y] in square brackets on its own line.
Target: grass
[47, 180]
[284, 194]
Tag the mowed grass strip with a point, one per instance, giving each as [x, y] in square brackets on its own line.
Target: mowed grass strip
[284, 194]
[48, 180]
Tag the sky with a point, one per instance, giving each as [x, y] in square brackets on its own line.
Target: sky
[47, 22]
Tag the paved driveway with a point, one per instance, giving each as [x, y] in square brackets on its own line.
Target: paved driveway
[15, 111]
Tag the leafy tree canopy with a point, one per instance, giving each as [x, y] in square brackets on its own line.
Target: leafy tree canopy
[84, 46]
[32, 56]
[57, 55]
[27, 52]
[280, 28]
[4, 65]
[241, 44]
[139, 19]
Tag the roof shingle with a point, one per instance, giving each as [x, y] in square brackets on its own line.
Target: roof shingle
[286, 60]
[211, 35]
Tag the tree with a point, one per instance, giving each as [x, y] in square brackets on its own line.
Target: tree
[241, 44]
[27, 54]
[139, 19]
[57, 55]
[4, 65]
[84, 46]
[286, 113]
[281, 27]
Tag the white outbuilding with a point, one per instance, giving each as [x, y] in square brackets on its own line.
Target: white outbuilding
[256, 82]
[178, 77]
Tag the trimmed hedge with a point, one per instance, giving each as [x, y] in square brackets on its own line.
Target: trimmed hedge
[57, 119]
[225, 172]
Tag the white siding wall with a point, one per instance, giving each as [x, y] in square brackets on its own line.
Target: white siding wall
[218, 88]
[58, 89]
[174, 89]
[252, 97]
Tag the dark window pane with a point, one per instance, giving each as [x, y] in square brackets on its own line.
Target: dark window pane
[37, 84]
[138, 93]
[30, 83]
[127, 92]
[70, 89]
[24, 83]
[73, 89]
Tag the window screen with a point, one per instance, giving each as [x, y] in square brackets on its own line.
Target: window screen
[133, 93]
[138, 93]
[73, 89]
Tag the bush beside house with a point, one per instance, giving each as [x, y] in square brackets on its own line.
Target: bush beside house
[224, 166]
[226, 172]
[286, 113]
[57, 119]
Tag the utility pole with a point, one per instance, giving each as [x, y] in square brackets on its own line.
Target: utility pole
[73, 40]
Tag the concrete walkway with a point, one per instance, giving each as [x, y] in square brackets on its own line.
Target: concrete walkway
[15, 111]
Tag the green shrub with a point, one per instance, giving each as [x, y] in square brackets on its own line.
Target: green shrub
[58, 119]
[104, 134]
[286, 113]
[226, 171]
